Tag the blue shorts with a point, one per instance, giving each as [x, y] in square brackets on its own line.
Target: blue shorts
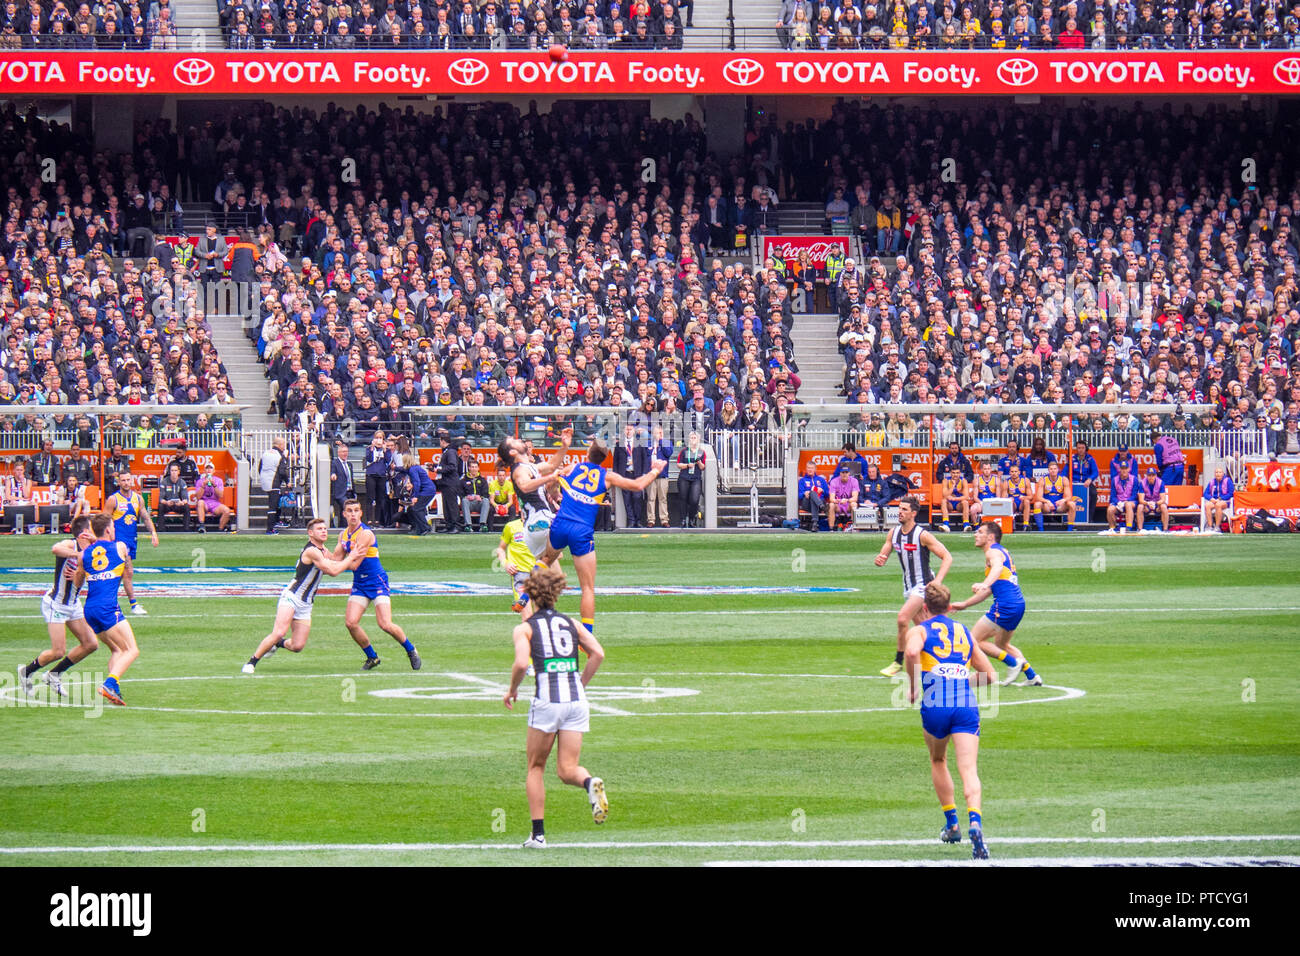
[579, 539]
[941, 721]
[1006, 616]
[371, 586]
[103, 619]
[130, 549]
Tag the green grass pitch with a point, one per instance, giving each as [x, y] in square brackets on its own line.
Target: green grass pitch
[733, 727]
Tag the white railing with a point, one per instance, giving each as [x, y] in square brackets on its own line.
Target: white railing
[751, 458]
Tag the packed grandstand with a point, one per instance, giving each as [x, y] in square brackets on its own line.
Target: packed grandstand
[499, 256]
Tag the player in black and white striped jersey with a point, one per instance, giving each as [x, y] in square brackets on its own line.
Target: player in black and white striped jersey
[914, 546]
[559, 707]
[293, 613]
[61, 608]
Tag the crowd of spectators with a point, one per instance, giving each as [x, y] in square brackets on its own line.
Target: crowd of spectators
[1038, 25]
[101, 25]
[79, 324]
[1087, 255]
[454, 24]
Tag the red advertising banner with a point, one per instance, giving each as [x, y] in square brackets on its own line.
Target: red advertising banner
[1264, 475]
[818, 247]
[1283, 504]
[865, 72]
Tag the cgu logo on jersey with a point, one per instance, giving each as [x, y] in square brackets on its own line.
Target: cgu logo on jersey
[102, 910]
[560, 665]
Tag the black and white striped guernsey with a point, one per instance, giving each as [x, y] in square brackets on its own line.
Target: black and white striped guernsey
[531, 500]
[555, 657]
[913, 556]
[62, 592]
[306, 578]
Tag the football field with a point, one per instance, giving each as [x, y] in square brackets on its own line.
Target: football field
[740, 715]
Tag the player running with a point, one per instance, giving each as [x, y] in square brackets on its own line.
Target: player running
[128, 509]
[104, 567]
[1002, 619]
[574, 527]
[293, 613]
[559, 706]
[61, 608]
[369, 584]
[914, 546]
[944, 652]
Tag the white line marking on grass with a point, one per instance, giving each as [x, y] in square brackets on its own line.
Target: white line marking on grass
[11, 695]
[501, 688]
[629, 845]
[1029, 861]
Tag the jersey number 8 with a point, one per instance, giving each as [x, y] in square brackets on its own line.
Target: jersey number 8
[99, 559]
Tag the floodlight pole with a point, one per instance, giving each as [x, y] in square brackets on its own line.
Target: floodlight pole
[731, 24]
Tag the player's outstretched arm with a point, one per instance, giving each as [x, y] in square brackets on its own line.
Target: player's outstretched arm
[912, 659]
[556, 461]
[939, 550]
[326, 564]
[885, 551]
[636, 484]
[982, 590]
[523, 657]
[595, 654]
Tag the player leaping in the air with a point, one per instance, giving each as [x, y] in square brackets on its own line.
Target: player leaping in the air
[574, 527]
[530, 481]
[128, 509]
[369, 583]
[914, 546]
[61, 608]
[293, 613]
[994, 629]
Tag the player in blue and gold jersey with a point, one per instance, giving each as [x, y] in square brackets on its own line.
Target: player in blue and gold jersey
[127, 508]
[1056, 496]
[985, 486]
[955, 498]
[358, 548]
[581, 492]
[995, 628]
[104, 567]
[1021, 492]
[944, 653]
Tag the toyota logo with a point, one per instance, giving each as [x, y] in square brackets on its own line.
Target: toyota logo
[1017, 72]
[1287, 72]
[193, 72]
[743, 72]
[468, 72]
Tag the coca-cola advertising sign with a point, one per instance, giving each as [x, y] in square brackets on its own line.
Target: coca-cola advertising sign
[817, 247]
[639, 73]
